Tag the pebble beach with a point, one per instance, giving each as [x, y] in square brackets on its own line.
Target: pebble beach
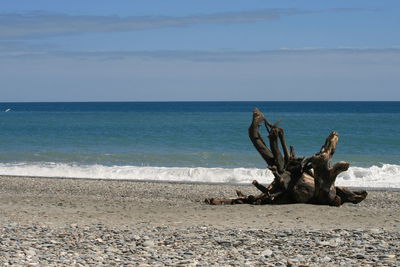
[78, 222]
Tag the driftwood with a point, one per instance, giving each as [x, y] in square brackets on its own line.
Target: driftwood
[297, 179]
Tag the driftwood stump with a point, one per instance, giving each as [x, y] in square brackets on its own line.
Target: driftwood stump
[297, 179]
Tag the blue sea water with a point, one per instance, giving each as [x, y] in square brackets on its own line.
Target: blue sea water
[191, 141]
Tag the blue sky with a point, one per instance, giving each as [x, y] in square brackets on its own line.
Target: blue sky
[199, 50]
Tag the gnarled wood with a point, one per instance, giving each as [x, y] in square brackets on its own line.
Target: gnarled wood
[296, 180]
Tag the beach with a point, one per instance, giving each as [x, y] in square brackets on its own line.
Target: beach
[47, 221]
[132, 133]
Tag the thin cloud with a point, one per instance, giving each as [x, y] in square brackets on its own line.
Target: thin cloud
[227, 56]
[15, 50]
[34, 25]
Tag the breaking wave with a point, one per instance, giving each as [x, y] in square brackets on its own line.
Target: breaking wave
[387, 175]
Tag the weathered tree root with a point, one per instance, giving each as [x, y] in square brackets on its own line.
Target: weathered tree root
[296, 180]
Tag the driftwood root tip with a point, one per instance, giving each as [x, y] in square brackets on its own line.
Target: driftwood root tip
[209, 201]
[239, 193]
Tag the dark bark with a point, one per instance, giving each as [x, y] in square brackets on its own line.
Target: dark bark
[296, 180]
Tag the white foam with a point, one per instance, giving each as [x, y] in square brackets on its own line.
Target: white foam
[180, 174]
[385, 176]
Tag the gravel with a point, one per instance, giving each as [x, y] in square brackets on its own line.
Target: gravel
[203, 245]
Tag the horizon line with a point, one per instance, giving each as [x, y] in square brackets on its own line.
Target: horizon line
[193, 101]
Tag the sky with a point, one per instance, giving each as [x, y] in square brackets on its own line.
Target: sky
[220, 50]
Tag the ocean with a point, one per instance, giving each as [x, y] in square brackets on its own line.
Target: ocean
[192, 141]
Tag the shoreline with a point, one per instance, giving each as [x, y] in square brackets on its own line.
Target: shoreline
[391, 189]
[70, 221]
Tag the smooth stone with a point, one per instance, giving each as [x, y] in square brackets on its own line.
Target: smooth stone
[326, 259]
[267, 253]
[375, 231]
[293, 260]
[387, 257]
[148, 243]
[135, 237]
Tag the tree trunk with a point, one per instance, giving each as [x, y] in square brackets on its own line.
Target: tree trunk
[296, 180]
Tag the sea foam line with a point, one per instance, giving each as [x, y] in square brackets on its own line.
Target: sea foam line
[387, 175]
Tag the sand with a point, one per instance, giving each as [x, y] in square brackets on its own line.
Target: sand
[75, 222]
[59, 202]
